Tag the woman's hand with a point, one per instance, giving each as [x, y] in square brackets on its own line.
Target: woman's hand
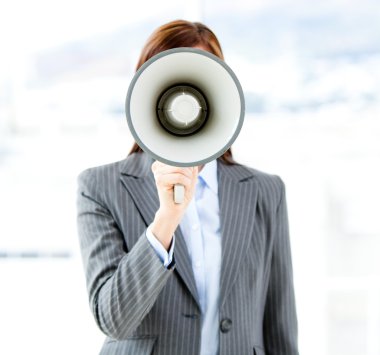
[169, 213]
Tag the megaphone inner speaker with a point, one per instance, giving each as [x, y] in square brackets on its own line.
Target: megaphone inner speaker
[182, 110]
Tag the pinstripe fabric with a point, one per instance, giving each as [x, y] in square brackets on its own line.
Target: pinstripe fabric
[142, 345]
[144, 308]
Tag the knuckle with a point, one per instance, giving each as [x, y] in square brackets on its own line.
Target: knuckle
[184, 181]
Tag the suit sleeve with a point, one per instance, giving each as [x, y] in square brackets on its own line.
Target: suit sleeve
[280, 319]
[123, 285]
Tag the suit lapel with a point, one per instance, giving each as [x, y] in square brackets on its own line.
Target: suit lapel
[237, 201]
[184, 269]
[137, 178]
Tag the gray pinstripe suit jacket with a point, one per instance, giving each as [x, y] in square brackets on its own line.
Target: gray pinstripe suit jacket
[144, 308]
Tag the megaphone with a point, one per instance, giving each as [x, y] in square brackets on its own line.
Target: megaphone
[185, 107]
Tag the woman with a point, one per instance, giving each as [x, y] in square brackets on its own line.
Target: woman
[210, 276]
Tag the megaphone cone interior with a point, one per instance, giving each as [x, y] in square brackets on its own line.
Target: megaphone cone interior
[185, 107]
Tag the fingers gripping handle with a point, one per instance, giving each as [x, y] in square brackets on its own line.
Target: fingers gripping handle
[179, 193]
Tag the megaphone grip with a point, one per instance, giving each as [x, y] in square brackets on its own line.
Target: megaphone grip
[179, 193]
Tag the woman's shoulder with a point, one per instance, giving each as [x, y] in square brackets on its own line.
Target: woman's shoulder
[101, 172]
[266, 179]
[136, 164]
[242, 172]
[270, 187]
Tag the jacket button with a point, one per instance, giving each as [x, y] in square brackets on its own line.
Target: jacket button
[225, 325]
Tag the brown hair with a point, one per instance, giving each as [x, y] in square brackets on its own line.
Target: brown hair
[181, 33]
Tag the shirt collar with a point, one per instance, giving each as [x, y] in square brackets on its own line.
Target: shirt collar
[209, 176]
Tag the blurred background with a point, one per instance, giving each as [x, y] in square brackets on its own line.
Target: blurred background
[311, 75]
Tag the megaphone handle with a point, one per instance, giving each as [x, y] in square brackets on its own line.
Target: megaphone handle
[179, 193]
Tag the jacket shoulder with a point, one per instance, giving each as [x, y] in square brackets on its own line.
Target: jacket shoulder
[267, 178]
[99, 172]
[271, 186]
[95, 182]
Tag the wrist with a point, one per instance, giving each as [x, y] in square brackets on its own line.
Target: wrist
[164, 226]
[171, 218]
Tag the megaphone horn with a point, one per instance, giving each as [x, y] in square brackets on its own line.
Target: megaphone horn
[185, 107]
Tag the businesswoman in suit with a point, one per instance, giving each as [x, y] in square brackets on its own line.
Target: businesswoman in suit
[211, 276]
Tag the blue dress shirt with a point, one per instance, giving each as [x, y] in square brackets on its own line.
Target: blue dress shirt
[200, 227]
